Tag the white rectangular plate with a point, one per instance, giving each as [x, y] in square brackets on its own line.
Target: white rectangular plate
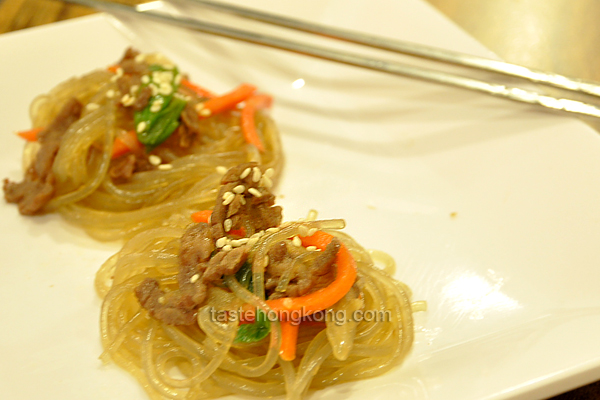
[490, 208]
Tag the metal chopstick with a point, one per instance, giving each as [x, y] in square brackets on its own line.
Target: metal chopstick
[495, 89]
[407, 48]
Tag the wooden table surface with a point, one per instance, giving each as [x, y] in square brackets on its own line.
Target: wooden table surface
[558, 35]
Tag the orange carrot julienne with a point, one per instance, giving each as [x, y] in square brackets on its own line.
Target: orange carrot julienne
[228, 100]
[31, 135]
[114, 68]
[204, 216]
[119, 148]
[328, 296]
[200, 91]
[289, 338]
[201, 216]
[124, 143]
[322, 298]
[247, 118]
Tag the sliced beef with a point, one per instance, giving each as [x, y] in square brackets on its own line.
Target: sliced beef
[37, 187]
[196, 245]
[129, 64]
[304, 280]
[200, 268]
[253, 209]
[173, 309]
[122, 168]
[190, 119]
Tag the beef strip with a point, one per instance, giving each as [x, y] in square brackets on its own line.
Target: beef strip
[129, 65]
[249, 211]
[38, 185]
[122, 168]
[199, 270]
[319, 274]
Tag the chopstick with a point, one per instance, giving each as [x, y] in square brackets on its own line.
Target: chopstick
[407, 48]
[495, 89]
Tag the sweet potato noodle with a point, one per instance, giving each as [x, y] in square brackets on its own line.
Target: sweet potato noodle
[110, 201]
[364, 334]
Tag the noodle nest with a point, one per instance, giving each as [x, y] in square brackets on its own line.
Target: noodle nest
[203, 360]
[87, 196]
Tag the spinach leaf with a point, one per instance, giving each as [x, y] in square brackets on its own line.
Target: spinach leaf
[244, 276]
[258, 330]
[160, 122]
[160, 125]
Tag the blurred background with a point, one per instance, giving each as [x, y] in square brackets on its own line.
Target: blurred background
[562, 36]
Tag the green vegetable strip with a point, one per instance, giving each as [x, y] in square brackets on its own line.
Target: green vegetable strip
[260, 328]
[159, 125]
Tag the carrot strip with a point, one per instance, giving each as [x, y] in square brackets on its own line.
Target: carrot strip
[119, 148]
[201, 216]
[114, 68]
[289, 338]
[200, 91]
[247, 118]
[204, 216]
[31, 135]
[322, 298]
[228, 100]
[328, 296]
[124, 143]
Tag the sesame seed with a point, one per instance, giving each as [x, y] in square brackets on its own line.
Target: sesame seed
[242, 200]
[199, 107]
[145, 79]
[140, 58]
[228, 199]
[312, 231]
[114, 78]
[134, 88]
[110, 93]
[154, 89]
[156, 106]
[239, 242]
[239, 189]
[127, 100]
[269, 172]
[221, 169]
[266, 182]
[205, 112]
[165, 167]
[178, 79]
[254, 192]
[311, 248]
[154, 159]
[296, 241]
[266, 261]
[165, 88]
[227, 247]
[161, 300]
[222, 241]
[303, 230]
[194, 278]
[245, 173]
[92, 106]
[227, 224]
[141, 127]
[256, 174]
[119, 72]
